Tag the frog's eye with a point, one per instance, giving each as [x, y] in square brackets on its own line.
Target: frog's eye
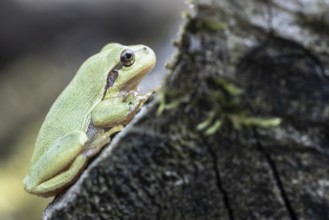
[127, 57]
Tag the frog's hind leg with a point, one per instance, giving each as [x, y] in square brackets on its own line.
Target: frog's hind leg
[55, 185]
[62, 157]
[63, 163]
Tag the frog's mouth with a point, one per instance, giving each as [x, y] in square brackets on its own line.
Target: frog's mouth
[134, 81]
[130, 84]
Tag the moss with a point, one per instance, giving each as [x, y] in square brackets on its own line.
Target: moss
[210, 24]
[221, 102]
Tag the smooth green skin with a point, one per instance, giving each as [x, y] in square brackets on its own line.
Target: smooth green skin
[64, 144]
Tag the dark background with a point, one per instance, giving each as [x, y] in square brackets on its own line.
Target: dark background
[42, 45]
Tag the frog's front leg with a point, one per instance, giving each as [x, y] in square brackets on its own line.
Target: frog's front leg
[118, 110]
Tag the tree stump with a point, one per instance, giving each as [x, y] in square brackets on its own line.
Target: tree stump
[209, 145]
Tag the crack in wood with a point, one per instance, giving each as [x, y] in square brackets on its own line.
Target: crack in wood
[276, 176]
[219, 182]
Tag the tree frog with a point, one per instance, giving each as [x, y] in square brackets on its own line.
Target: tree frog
[99, 101]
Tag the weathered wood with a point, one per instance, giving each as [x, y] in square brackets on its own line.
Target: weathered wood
[241, 64]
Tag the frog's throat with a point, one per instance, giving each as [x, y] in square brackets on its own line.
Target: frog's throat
[133, 82]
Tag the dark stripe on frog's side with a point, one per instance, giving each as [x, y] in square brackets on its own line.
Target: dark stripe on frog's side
[92, 130]
[112, 76]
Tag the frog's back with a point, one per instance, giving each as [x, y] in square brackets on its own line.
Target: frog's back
[70, 111]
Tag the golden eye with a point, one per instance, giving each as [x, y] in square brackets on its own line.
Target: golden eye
[127, 57]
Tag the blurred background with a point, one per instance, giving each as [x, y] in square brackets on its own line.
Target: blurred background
[43, 43]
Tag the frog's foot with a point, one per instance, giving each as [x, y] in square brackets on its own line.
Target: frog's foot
[136, 100]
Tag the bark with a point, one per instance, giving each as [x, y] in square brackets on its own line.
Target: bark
[209, 146]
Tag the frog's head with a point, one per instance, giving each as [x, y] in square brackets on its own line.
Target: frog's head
[133, 63]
